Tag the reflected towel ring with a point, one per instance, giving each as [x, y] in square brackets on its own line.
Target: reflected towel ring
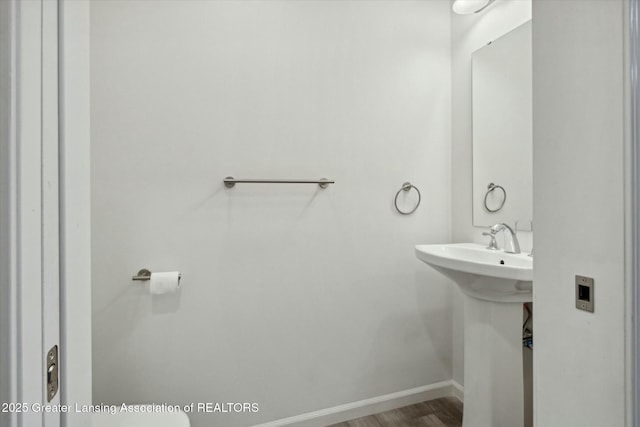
[490, 189]
[406, 187]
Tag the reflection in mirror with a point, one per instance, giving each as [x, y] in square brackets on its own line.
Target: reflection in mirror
[502, 130]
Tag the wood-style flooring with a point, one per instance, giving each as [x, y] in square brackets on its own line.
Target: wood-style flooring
[444, 412]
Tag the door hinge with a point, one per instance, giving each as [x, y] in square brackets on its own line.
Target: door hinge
[52, 373]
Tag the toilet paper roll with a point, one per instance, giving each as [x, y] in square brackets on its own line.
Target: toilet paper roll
[163, 283]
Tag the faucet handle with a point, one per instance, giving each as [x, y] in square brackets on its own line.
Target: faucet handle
[493, 245]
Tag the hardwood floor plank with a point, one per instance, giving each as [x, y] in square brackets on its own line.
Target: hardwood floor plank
[370, 421]
[448, 419]
[444, 412]
[393, 418]
[416, 411]
[429, 421]
[429, 407]
[454, 406]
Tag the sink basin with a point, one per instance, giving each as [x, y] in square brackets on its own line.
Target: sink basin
[495, 284]
[482, 273]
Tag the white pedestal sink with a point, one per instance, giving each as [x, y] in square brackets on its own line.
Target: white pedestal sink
[495, 285]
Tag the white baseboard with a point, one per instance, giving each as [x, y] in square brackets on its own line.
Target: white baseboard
[458, 390]
[370, 406]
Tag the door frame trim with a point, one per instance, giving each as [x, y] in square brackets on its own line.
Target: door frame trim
[21, 150]
[74, 75]
[22, 204]
[634, 186]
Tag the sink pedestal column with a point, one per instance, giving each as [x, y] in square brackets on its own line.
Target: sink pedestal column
[493, 376]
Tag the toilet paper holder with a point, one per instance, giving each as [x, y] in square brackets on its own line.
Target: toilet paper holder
[143, 274]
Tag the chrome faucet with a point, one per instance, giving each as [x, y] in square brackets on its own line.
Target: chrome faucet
[511, 246]
[493, 245]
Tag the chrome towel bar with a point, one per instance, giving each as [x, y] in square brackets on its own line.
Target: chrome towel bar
[230, 181]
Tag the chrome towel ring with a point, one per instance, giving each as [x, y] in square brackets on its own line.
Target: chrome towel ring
[406, 187]
[490, 189]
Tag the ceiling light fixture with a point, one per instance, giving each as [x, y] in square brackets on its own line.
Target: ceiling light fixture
[464, 7]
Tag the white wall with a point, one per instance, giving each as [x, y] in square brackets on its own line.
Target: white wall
[579, 211]
[468, 34]
[293, 297]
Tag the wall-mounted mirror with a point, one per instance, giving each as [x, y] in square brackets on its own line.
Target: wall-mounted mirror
[502, 130]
